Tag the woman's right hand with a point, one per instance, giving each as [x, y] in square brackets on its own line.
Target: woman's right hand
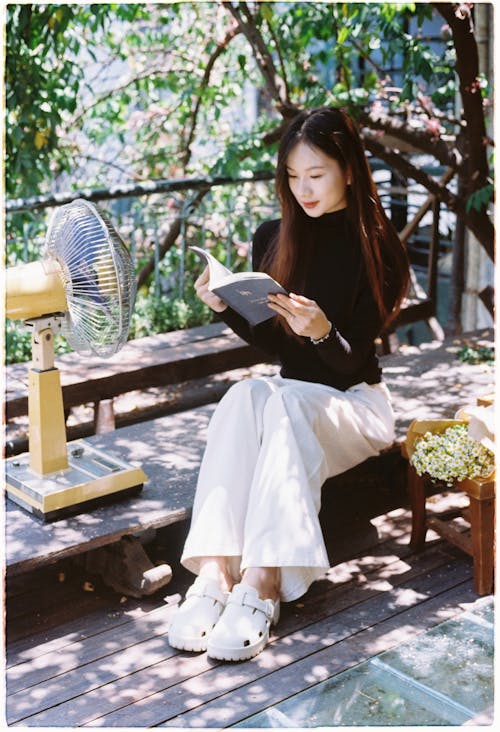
[201, 287]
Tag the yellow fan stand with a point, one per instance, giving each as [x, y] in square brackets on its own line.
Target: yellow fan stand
[55, 478]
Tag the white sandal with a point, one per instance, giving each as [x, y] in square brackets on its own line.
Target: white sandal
[198, 614]
[243, 628]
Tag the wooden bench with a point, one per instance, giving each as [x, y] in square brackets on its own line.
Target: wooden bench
[184, 358]
[427, 382]
[154, 361]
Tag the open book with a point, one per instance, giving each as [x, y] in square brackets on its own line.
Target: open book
[245, 292]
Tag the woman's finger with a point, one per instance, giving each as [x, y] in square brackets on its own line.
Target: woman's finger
[202, 279]
[281, 306]
[285, 303]
[301, 299]
[277, 308]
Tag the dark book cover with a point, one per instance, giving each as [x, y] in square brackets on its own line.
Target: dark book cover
[244, 292]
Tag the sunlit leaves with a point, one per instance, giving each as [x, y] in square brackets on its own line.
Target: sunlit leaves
[43, 74]
[133, 84]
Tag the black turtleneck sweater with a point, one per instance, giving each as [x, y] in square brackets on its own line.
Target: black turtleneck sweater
[336, 279]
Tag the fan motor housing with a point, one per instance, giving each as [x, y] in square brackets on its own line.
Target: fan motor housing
[34, 289]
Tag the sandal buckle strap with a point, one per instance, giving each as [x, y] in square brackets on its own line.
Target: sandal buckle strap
[247, 600]
[207, 590]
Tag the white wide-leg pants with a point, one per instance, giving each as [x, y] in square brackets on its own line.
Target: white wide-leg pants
[271, 444]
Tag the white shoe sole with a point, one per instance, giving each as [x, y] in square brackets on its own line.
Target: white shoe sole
[237, 654]
[196, 645]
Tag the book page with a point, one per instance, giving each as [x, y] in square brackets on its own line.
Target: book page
[217, 271]
[245, 292]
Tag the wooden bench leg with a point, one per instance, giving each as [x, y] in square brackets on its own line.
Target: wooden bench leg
[482, 521]
[104, 416]
[416, 494]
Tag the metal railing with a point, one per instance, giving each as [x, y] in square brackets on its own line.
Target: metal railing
[160, 220]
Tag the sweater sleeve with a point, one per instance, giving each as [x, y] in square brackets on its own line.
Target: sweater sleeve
[265, 335]
[351, 343]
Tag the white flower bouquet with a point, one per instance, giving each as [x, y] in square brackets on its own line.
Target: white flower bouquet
[451, 455]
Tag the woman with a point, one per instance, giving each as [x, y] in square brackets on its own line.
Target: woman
[255, 537]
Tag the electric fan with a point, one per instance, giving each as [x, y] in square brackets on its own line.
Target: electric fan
[84, 288]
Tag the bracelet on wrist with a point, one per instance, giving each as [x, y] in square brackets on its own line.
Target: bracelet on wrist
[316, 341]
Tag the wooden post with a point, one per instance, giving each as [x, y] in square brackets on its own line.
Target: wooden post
[104, 416]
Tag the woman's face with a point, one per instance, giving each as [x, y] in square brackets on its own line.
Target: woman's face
[316, 180]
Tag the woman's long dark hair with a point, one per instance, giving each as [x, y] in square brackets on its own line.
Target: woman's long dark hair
[335, 134]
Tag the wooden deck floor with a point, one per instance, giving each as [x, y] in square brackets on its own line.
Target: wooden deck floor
[79, 658]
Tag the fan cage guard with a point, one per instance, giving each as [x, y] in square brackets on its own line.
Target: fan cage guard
[98, 278]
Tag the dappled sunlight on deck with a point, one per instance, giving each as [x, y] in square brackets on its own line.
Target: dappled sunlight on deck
[127, 674]
[76, 659]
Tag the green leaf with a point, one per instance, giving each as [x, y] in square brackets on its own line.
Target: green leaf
[480, 199]
[343, 35]
[266, 10]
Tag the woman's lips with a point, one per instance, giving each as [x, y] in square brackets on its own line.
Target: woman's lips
[310, 205]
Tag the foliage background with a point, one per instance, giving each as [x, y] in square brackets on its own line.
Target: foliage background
[112, 94]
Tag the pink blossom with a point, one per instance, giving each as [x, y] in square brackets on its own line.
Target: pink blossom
[243, 248]
[433, 127]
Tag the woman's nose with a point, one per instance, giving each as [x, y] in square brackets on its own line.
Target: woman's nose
[303, 187]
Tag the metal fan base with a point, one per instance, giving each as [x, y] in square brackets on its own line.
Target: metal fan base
[93, 477]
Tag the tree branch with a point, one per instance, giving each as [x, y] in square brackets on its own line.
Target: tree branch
[459, 18]
[274, 83]
[477, 222]
[170, 237]
[221, 47]
[175, 228]
[408, 170]
[149, 74]
[281, 60]
[419, 139]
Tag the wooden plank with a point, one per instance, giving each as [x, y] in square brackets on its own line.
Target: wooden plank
[74, 370]
[178, 364]
[291, 679]
[375, 549]
[374, 555]
[414, 310]
[84, 625]
[387, 542]
[103, 694]
[381, 562]
[46, 610]
[310, 656]
[381, 557]
[151, 403]
[180, 682]
[109, 642]
[40, 666]
[411, 373]
[450, 532]
[44, 602]
[87, 380]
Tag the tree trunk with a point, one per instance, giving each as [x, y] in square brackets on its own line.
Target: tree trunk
[457, 278]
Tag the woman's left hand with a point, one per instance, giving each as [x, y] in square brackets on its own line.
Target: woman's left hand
[304, 316]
